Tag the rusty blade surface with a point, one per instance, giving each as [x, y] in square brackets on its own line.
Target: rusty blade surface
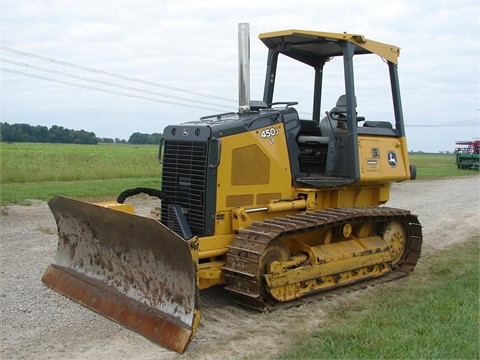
[129, 268]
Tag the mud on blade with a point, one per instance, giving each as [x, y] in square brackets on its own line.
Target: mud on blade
[129, 268]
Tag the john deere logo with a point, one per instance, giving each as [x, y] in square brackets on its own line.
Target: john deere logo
[392, 158]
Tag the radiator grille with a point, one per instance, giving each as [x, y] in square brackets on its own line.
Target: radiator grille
[184, 180]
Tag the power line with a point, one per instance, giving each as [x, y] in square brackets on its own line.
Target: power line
[104, 90]
[462, 123]
[108, 83]
[115, 75]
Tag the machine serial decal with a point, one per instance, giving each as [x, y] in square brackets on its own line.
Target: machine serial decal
[392, 158]
[372, 165]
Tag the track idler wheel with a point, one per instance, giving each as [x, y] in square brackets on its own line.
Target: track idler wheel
[275, 251]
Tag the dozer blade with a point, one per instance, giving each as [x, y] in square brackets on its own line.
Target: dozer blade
[129, 268]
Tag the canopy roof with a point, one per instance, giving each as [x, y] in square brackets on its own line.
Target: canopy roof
[312, 46]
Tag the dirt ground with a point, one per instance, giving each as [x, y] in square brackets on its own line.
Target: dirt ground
[38, 323]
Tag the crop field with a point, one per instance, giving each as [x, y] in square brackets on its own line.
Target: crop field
[101, 172]
[40, 171]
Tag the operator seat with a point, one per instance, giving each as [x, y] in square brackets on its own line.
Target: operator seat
[339, 112]
[326, 124]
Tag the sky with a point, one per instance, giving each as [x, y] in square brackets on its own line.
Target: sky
[119, 67]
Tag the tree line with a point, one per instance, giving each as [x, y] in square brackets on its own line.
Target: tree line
[58, 134]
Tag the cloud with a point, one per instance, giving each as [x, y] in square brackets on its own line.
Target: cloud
[192, 45]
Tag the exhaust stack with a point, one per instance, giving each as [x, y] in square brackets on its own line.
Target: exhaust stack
[243, 67]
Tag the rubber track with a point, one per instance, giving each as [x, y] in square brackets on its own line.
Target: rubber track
[244, 253]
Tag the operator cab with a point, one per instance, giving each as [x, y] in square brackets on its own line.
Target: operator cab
[328, 145]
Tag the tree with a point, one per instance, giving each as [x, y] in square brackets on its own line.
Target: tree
[139, 138]
[56, 134]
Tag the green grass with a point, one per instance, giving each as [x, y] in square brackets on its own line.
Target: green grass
[40, 171]
[437, 166]
[95, 190]
[432, 314]
[31, 162]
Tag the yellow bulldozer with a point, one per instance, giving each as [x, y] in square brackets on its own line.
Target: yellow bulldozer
[272, 206]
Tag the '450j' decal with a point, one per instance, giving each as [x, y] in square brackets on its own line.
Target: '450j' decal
[268, 133]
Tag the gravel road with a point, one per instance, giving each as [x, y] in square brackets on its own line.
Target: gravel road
[38, 323]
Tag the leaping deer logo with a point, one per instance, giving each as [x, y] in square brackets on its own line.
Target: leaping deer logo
[392, 158]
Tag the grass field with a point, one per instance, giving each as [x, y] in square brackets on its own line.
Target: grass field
[40, 171]
[436, 166]
[99, 172]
